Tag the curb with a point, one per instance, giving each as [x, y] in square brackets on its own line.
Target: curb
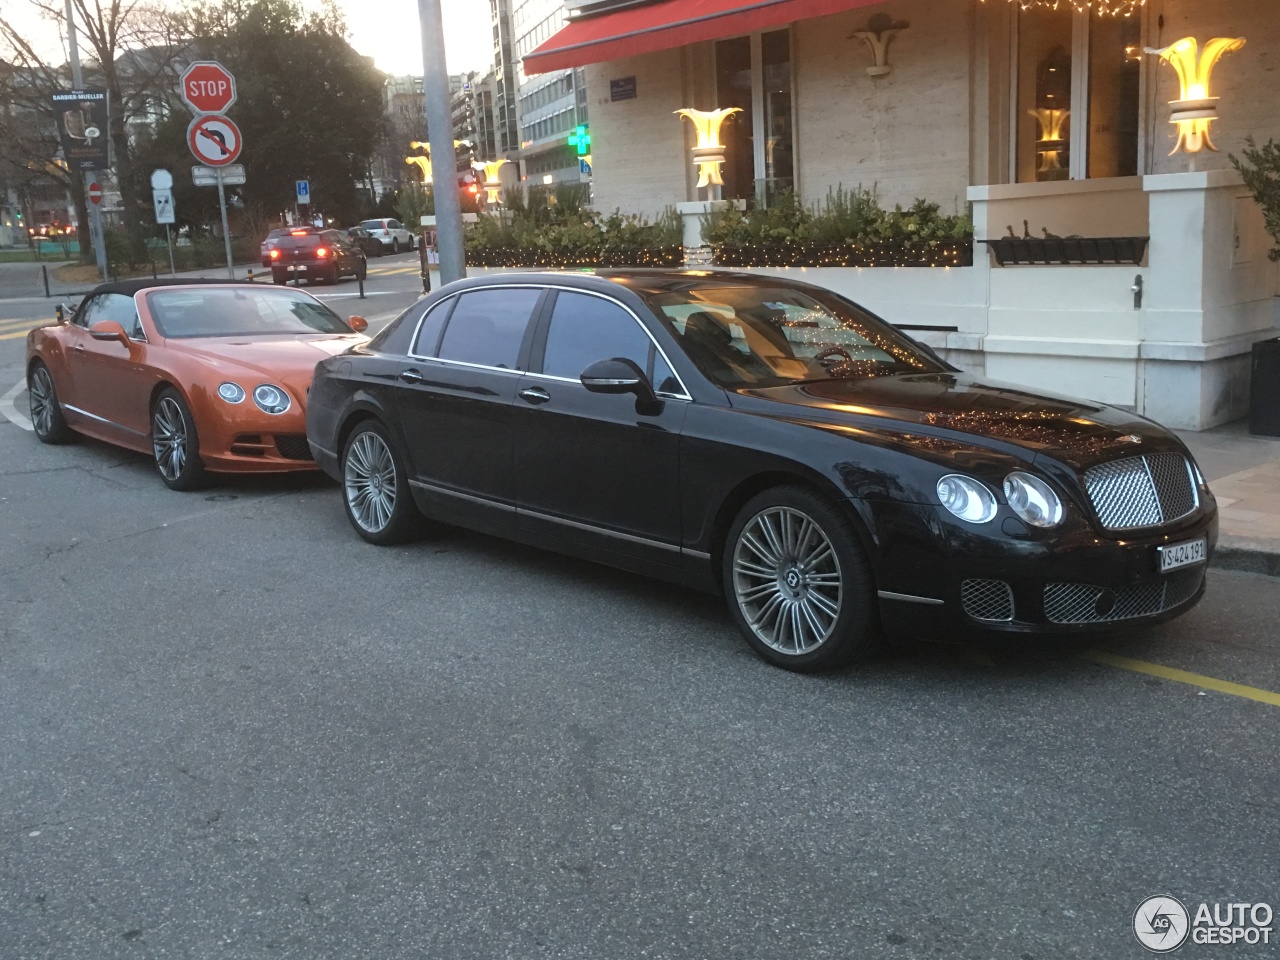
[1248, 556]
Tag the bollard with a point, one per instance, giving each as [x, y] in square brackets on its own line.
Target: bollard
[44, 269]
[154, 275]
[360, 277]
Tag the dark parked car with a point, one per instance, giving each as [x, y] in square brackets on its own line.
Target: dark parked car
[366, 241]
[269, 243]
[767, 439]
[315, 255]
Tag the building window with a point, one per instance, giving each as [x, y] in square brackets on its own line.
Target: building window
[754, 73]
[1076, 96]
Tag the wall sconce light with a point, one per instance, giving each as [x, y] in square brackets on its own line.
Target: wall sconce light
[1051, 141]
[880, 31]
[1194, 109]
[491, 182]
[708, 152]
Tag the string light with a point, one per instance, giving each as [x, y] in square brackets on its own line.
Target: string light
[876, 253]
[1108, 8]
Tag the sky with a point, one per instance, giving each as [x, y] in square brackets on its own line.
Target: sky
[387, 30]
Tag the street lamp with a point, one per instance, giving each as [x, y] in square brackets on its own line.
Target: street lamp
[1194, 109]
[708, 152]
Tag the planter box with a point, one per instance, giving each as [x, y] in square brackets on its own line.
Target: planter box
[1067, 250]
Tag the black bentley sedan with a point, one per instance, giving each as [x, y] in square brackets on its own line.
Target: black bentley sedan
[768, 439]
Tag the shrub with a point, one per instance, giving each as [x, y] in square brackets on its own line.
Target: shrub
[1260, 170]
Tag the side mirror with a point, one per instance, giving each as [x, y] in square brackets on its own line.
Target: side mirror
[109, 330]
[621, 376]
[358, 324]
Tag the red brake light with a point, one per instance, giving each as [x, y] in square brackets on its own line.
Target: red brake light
[275, 254]
[297, 233]
[322, 252]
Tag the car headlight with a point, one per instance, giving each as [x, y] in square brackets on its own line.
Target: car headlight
[966, 498]
[231, 392]
[1033, 500]
[270, 398]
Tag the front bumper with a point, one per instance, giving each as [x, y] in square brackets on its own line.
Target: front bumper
[940, 580]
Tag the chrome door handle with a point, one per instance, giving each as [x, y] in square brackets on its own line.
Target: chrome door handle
[534, 395]
[412, 376]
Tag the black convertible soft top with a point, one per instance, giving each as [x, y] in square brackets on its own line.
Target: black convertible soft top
[130, 287]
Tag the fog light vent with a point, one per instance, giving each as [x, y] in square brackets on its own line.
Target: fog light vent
[990, 600]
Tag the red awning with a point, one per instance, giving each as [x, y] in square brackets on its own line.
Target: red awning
[670, 23]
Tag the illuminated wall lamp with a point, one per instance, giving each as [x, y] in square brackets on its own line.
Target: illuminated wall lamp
[1194, 109]
[492, 185]
[1051, 142]
[708, 152]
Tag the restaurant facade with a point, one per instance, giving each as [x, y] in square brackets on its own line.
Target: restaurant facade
[1133, 268]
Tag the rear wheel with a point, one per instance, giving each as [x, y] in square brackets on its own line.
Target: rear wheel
[375, 488]
[798, 582]
[175, 443]
[46, 414]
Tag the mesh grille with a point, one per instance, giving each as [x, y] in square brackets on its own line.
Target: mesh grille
[1141, 491]
[1086, 603]
[987, 599]
[293, 446]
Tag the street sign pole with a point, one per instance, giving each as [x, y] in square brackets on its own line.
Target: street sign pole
[95, 214]
[226, 231]
[444, 178]
[168, 242]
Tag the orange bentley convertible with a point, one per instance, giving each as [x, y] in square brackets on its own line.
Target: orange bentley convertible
[202, 375]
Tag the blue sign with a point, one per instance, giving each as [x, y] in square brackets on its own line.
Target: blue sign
[304, 190]
[584, 166]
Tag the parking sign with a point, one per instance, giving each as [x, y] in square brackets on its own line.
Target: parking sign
[304, 191]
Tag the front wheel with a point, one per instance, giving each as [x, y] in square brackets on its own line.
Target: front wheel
[395, 244]
[46, 413]
[375, 488]
[175, 443]
[798, 582]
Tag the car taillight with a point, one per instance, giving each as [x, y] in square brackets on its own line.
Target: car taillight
[275, 254]
[298, 233]
[321, 252]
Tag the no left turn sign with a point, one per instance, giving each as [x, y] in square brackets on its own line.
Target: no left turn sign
[214, 140]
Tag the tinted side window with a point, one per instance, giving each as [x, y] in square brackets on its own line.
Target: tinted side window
[429, 335]
[117, 307]
[585, 329]
[488, 326]
[393, 224]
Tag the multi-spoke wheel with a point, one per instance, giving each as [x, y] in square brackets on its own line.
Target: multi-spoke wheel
[46, 414]
[798, 582]
[375, 489]
[175, 443]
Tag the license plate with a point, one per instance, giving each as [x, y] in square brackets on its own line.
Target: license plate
[299, 269]
[1182, 554]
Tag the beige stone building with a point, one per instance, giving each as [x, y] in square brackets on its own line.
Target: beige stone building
[1043, 120]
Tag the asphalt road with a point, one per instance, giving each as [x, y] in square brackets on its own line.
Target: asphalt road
[234, 730]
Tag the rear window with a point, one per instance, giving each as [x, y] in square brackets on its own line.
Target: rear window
[308, 242]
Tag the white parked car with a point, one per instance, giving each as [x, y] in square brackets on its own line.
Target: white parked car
[393, 234]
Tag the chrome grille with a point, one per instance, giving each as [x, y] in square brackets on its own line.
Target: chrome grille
[1086, 603]
[1141, 491]
[987, 600]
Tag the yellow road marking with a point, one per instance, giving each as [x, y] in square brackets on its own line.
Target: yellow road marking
[1183, 676]
[29, 321]
[14, 336]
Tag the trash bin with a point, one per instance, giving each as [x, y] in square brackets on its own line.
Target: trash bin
[1264, 388]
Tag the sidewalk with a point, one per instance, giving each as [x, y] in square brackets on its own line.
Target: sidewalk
[1244, 474]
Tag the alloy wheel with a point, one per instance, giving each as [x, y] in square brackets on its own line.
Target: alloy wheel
[369, 480]
[787, 580]
[40, 390]
[169, 438]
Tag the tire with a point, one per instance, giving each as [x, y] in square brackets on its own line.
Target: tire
[395, 244]
[175, 445]
[375, 488]
[279, 278]
[798, 583]
[46, 413]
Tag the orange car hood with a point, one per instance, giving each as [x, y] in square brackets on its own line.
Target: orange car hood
[290, 358]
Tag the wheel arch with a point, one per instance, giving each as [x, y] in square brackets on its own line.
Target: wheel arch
[749, 487]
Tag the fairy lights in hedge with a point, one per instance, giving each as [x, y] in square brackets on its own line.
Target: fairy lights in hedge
[882, 253]
[1110, 8]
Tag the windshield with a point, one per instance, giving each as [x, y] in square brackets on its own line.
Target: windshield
[239, 312]
[769, 336]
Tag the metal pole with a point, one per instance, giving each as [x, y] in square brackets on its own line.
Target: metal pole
[226, 231]
[44, 270]
[168, 242]
[95, 214]
[444, 180]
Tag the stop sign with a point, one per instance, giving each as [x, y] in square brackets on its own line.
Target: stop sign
[95, 192]
[208, 87]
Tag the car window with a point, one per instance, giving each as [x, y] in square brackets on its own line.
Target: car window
[488, 326]
[585, 329]
[394, 225]
[429, 334]
[117, 307]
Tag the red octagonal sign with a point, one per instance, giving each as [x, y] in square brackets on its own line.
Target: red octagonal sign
[208, 87]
